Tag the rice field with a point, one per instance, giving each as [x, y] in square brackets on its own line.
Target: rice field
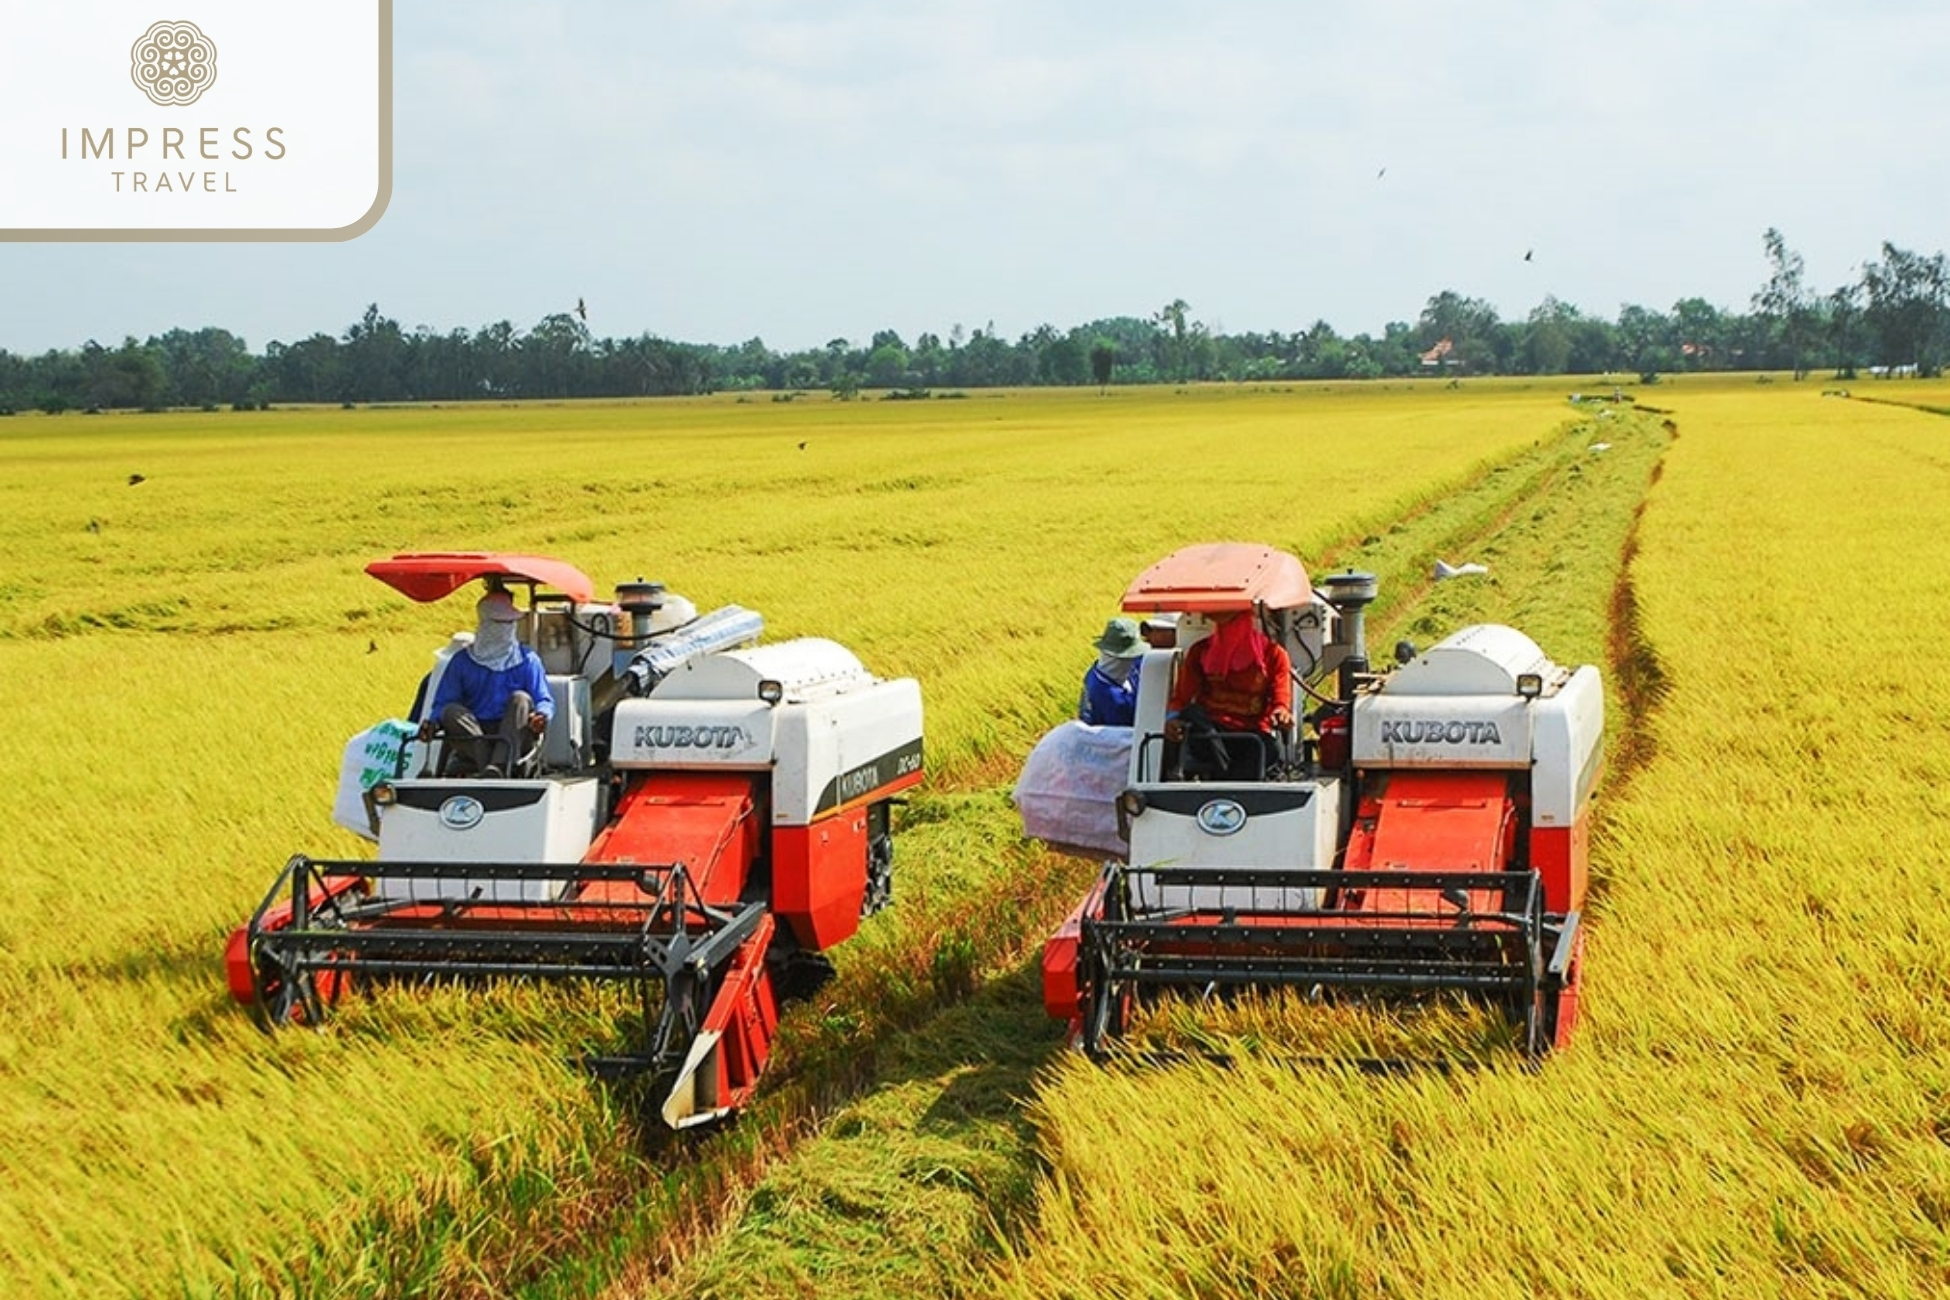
[194, 647]
[966, 1140]
[1758, 1103]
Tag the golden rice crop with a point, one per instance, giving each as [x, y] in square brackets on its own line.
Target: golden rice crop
[856, 1206]
[1759, 1100]
[190, 650]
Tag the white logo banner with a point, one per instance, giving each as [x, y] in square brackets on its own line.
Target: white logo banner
[202, 120]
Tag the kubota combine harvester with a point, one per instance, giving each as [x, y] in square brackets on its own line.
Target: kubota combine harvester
[1416, 831]
[702, 816]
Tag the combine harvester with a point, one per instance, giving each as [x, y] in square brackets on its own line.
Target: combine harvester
[1420, 831]
[702, 817]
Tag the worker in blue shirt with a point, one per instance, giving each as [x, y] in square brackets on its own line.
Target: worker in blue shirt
[1110, 687]
[493, 700]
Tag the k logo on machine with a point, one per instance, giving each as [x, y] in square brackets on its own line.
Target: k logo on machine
[173, 63]
[1221, 817]
[463, 812]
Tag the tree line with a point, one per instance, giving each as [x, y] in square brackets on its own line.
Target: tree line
[1894, 319]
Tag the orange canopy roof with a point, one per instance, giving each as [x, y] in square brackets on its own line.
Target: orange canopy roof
[1214, 577]
[433, 575]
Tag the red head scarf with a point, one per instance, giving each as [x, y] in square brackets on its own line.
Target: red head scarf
[1235, 645]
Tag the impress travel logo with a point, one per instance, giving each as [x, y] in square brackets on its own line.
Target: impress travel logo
[116, 125]
[174, 63]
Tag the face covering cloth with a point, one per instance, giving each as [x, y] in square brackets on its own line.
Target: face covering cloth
[495, 645]
[1236, 645]
[1118, 670]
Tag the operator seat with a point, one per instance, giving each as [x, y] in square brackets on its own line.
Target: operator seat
[1207, 754]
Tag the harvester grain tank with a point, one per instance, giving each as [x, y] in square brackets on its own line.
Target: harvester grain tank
[1417, 831]
[703, 817]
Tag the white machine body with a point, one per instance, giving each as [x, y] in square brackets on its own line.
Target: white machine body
[806, 711]
[553, 819]
[1456, 706]
[835, 732]
[1276, 824]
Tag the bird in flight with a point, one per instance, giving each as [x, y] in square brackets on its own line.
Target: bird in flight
[582, 311]
[1383, 172]
[1527, 252]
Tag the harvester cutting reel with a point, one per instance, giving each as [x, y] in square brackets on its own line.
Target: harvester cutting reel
[1213, 931]
[696, 967]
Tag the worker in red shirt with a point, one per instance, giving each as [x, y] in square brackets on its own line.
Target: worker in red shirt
[1237, 680]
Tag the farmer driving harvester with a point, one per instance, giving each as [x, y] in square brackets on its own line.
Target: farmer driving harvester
[493, 702]
[1232, 703]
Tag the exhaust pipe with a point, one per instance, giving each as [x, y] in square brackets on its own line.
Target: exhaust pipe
[1350, 594]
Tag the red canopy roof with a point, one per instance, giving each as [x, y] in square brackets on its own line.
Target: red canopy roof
[1217, 576]
[433, 575]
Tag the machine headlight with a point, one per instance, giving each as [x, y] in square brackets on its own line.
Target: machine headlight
[770, 691]
[384, 795]
[1530, 685]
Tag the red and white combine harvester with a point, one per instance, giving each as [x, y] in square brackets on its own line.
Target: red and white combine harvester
[702, 816]
[1418, 831]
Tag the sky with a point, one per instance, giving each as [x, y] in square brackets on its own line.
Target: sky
[717, 170]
